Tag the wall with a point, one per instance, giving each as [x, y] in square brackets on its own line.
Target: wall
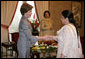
[56, 7]
[41, 7]
[82, 25]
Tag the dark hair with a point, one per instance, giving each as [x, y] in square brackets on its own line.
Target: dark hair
[25, 8]
[69, 15]
[46, 12]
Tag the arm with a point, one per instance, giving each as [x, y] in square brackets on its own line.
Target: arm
[55, 38]
[27, 32]
[47, 37]
[41, 37]
[52, 38]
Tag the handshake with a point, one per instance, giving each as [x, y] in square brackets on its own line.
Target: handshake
[47, 37]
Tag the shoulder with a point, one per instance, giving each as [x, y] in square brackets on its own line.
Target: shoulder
[69, 27]
[65, 28]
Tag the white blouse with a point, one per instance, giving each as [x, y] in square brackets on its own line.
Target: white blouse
[67, 42]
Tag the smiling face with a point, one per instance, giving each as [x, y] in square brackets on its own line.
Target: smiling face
[28, 14]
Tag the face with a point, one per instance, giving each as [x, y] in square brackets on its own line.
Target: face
[47, 15]
[64, 20]
[28, 14]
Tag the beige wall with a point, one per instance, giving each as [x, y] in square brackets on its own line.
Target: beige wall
[41, 7]
[56, 7]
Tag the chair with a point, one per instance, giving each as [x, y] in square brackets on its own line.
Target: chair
[15, 37]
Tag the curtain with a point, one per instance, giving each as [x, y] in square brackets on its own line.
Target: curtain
[37, 14]
[8, 9]
[41, 7]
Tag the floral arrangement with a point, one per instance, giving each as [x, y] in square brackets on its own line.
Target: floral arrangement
[35, 24]
[49, 42]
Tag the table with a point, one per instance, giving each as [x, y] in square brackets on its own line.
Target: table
[43, 52]
[7, 45]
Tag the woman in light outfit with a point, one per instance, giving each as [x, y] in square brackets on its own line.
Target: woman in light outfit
[68, 37]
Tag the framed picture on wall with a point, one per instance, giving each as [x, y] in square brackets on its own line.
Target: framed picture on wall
[76, 9]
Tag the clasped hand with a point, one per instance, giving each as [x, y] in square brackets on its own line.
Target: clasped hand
[47, 37]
